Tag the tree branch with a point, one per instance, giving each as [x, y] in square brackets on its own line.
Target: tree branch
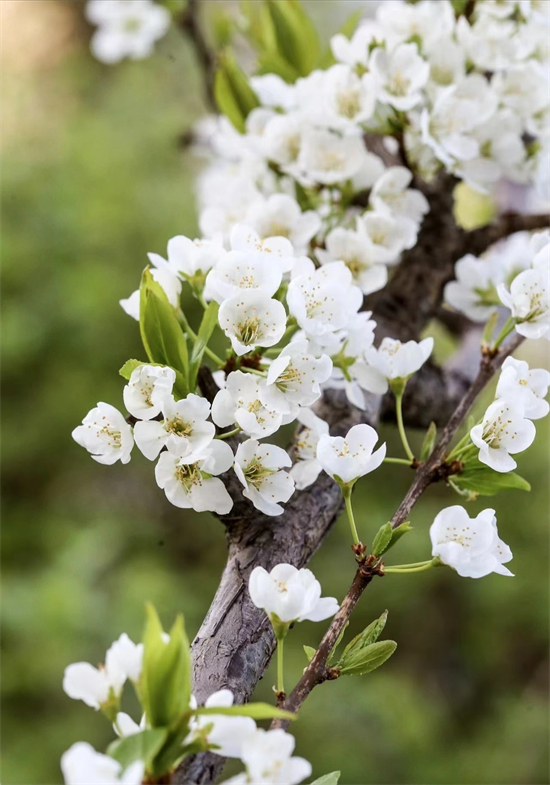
[189, 24]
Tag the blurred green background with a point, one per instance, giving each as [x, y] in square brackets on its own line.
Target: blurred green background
[93, 179]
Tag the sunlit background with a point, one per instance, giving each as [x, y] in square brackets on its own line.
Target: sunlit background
[93, 178]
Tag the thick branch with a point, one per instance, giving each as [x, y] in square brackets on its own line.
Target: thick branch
[479, 240]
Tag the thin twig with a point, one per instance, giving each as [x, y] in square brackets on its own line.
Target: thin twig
[317, 671]
[189, 24]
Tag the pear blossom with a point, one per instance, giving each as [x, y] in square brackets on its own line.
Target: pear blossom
[306, 467]
[251, 319]
[290, 594]
[82, 765]
[395, 360]
[277, 251]
[426, 21]
[349, 99]
[227, 734]
[518, 382]
[125, 726]
[328, 158]
[190, 258]
[471, 546]
[389, 236]
[166, 276]
[105, 434]
[355, 50]
[273, 91]
[258, 467]
[239, 403]
[267, 756]
[323, 300]
[242, 270]
[355, 249]
[280, 216]
[474, 292]
[349, 458]
[146, 390]
[399, 75]
[189, 484]
[391, 194]
[94, 686]
[184, 429]
[282, 139]
[504, 431]
[126, 28]
[528, 299]
[294, 379]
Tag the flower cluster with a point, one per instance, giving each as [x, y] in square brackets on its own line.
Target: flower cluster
[125, 28]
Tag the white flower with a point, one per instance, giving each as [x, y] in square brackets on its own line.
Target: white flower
[324, 300]
[396, 360]
[522, 88]
[81, 681]
[290, 594]
[126, 28]
[240, 403]
[125, 725]
[529, 387]
[227, 734]
[280, 216]
[193, 257]
[356, 251]
[355, 50]
[273, 91]
[130, 305]
[427, 21]
[267, 756]
[504, 430]
[349, 99]
[183, 430]
[105, 434]
[306, 467]
[251, 319]
[242, 270]
[470, 545]
[293, 379]
[328, 158]
[351, 457]
[258, 468]
[82, 765]
[276, 251]
[391, 194]
[189, 485]
[399, 75]
[165, 276]
[528, 299]
[146, 390]
[388, 235]
[282, 139]
[501, 152]
[474, 292]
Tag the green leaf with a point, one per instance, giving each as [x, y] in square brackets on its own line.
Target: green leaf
[483, 481]
[369, 635]
[328, 779]
[207, 325]
[258, 711]
[309, 652]
[234, 96]
[338, 642]
[429, 442]
[472, 209]
[274, 63]
[130, 366]
[140, 746]
[161, 333]
[165, 680]
[366, 659]
[382, 540]
[297, 41]
[398, 532]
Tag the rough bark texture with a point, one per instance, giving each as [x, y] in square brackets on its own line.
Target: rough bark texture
[235, 642]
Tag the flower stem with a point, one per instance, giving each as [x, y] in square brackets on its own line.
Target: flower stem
[280, 667]
[401, 427]
[419, 566]
[402, 461]
[346, 491]
[253, 370]
[229, 434]
[507, 328]
[193, 335]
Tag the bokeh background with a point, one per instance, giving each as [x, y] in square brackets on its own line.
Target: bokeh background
[93, 178]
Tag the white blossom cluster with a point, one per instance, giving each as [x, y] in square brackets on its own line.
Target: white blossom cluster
[267, 755]
[125, 28]
[515, 275]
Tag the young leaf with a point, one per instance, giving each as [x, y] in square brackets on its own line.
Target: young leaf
[166, 674]
[429, 442]
[140, 746]
[296, 36]
[398, 532]
[366, 659]
[258, 711]
[161, 333]
[483, 481]
[382, 540]
[369, 635]
[338, 642]
[328, 779]
[309, 652]
[234, 96]
[208, 323]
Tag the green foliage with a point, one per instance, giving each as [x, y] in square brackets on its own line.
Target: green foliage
[369, 635]
[258, 711]
[382, 540]
[328, 779]
[472, 209]
[365, 659]
[162, 336]
[207, 326]
[234, 96]
[483, 481]
[338, 642]
[309, 652]
[140, 746]
[429, 442]
[130, 366]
